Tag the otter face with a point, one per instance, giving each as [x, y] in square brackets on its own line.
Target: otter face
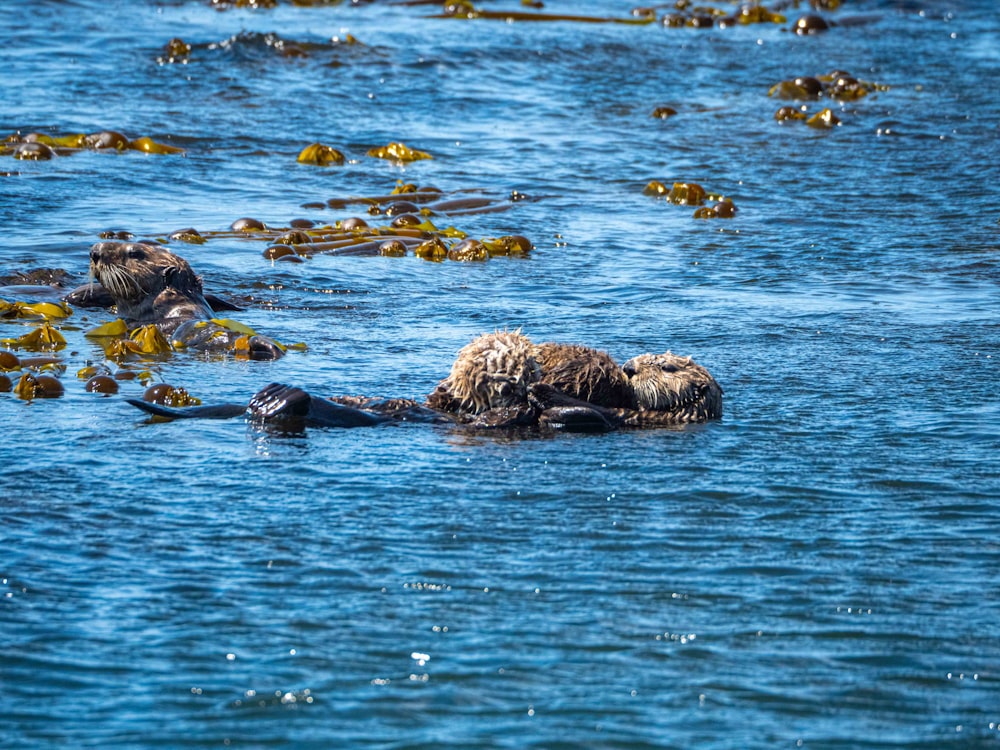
[668, 383]
[137, 273]
[494, 371]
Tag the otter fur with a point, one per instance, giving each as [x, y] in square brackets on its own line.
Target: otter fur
[669, 387]
[584, 373]
[149, 284]
[504, 370]
[494, 371]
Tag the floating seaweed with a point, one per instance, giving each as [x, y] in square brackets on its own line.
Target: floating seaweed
[693, 194]
[168, 395]
[31, 386]
[40, 147]
[822, 120]
[320, 155]
[837, 84]
[398, 152]
[46, 310]
[251, 44]
[463, 9]
[684, 14]
[45, 337]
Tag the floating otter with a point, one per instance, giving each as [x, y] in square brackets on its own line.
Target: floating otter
[151, 285]
[503, 380]
[505, 370]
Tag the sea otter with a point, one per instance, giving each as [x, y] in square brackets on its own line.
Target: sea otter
[498, 381]
[506, 369]
[494, 371]
[151, 285]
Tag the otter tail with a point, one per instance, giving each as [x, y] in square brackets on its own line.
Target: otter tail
[219, 411]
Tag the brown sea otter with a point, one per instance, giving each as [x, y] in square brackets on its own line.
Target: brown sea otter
[504, 369]
[151, 285]
[497, 381]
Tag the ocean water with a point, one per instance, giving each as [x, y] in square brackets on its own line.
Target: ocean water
[817, 569]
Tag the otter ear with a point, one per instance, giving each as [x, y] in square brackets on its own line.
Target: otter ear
[180, 278]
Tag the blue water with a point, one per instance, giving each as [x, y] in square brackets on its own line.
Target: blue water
[818, 569]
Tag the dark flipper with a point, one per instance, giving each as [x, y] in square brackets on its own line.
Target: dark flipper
[89, 295]
[220, 411]
[277, 402]
[545, 398]
[575, 419]
[95, 295]
[220, 305]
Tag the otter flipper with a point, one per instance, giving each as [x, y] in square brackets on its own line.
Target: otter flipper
[276, 402]
[218, 304]
[219, 411]
[89, 295]
[95, 295]
[575, 419]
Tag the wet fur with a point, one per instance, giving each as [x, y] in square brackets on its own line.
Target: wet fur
[494, 371]
[499, 371]
[149, 284]
[584, 373]
[670, 389]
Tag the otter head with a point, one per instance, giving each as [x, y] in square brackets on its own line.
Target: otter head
[493, 371]
[668, 383]
[139, 276]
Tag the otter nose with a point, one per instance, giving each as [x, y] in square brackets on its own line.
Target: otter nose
[95, 253]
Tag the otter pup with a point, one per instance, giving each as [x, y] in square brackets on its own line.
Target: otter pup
[493, 371]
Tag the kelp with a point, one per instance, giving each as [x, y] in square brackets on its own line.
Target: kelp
[463, 9]
[144, 342]
[269, 4]
[40, 146]
[822, 120]
[837, 84]
[46, 310]
[168, 395]
[31, 386]
[693, 194]
[43, 338]
[256, 44]
[320, 155]
[398, 152]
[423, 240]
[684, 14]
[398, 222]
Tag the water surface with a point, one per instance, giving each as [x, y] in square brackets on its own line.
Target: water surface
[819, 568]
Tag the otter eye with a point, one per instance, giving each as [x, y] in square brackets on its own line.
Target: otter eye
[136, 253]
